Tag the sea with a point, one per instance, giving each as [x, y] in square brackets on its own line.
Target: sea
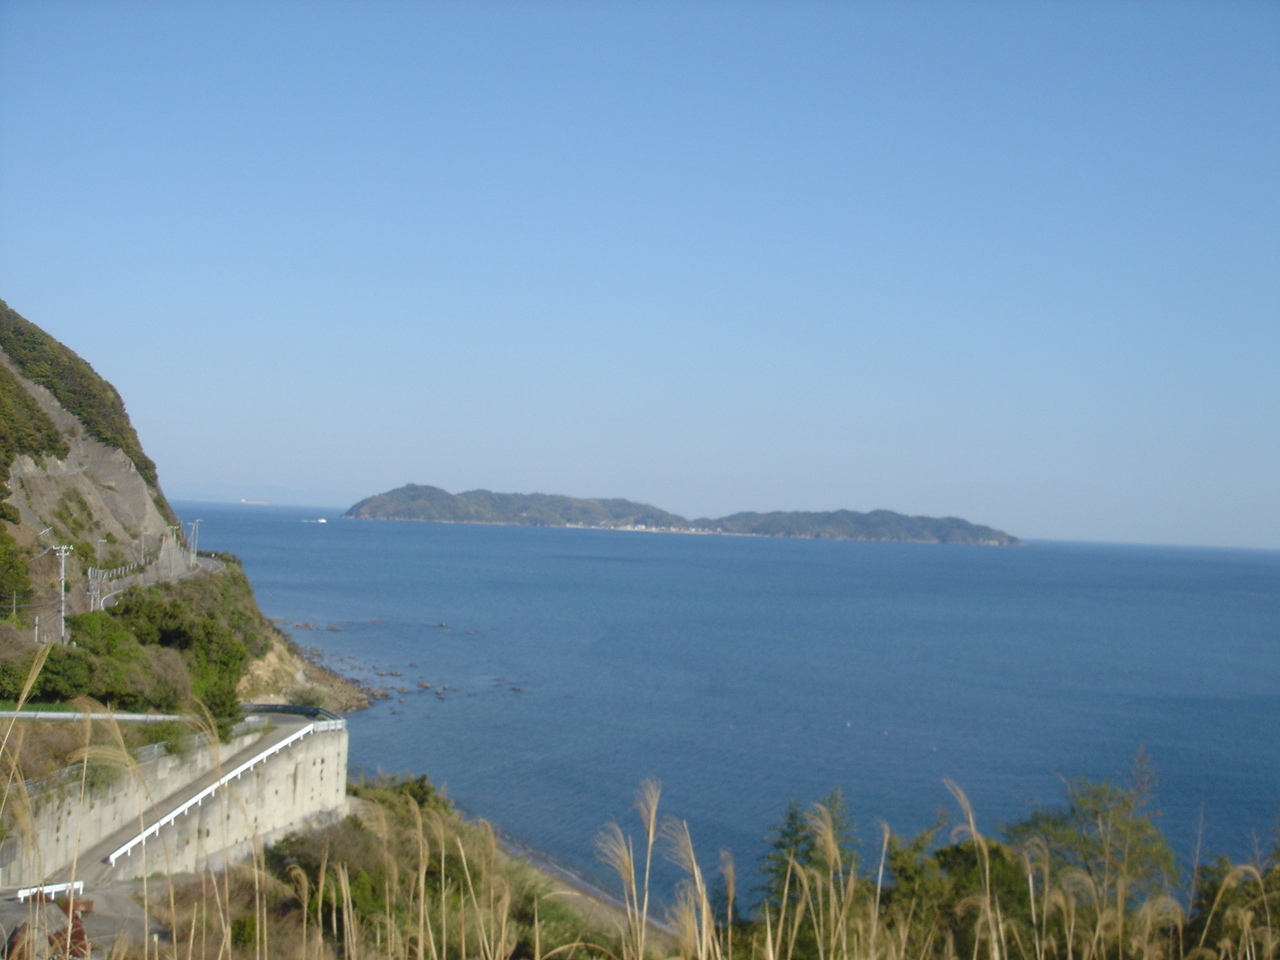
[565, 666]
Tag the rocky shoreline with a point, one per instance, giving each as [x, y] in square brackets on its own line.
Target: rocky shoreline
[346, 694]
[291, 673]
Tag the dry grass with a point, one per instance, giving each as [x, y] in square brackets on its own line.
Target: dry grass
[406, 879]
[828, 912]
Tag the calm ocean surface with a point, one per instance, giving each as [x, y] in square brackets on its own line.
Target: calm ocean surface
[742, 672]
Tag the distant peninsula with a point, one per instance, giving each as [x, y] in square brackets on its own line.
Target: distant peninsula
[433, 505]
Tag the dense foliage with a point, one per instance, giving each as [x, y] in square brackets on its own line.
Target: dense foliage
[108, 663]
[415, 502]
[24, 429]
[159, 648]
[1090, 879]
[45, 361]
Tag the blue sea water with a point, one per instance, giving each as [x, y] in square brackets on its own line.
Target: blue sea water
[742, 672]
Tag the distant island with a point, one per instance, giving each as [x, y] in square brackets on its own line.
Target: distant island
[433, 505]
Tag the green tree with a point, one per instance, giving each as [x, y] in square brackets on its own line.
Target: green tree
[821, 838]
[67, 674]
[1227, 900]
[1108, 832]
[811, 879]
[790, 842]
[1105, 840]
[936, 892]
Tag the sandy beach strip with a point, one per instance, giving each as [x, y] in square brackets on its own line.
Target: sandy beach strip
[598, 906]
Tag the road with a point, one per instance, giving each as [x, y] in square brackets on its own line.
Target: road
[116, 911]
[93, 867]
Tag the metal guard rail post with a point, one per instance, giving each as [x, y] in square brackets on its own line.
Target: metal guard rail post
[318, 727]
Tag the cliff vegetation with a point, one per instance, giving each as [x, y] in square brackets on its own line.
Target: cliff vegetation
[159, 648]
[177, 629]
[91, 399]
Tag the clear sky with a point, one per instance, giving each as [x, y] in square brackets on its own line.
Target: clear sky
[1014, 262]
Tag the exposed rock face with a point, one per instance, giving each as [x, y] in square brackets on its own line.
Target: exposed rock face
[73, 475]
[96, 498]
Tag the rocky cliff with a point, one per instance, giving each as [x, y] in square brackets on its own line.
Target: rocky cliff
[77, 493]
[78, 481]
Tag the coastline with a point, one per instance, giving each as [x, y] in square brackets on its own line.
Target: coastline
[353, 693]
[693, 531]
[595, 904]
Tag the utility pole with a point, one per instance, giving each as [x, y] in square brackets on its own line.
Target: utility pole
[195, 538]
[62, 552]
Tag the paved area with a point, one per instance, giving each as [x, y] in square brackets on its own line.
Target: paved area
[117, 914]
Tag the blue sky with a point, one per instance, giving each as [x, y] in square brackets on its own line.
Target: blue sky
[1015, 262]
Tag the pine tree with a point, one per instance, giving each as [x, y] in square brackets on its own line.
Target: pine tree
[791, 843]
[795, 843]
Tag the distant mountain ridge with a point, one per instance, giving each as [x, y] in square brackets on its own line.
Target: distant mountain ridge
[433, 505]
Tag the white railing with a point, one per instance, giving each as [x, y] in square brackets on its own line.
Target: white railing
[115, 573]
[52, 889]
[77, 715]
[199, 798]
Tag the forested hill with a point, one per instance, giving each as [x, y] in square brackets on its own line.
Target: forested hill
[851, 525]
[415, 502]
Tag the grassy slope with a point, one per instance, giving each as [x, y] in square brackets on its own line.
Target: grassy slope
[407, 878]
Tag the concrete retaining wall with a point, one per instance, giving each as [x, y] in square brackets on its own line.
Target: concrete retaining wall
[300, 786]
[59, 822]
[303, 786]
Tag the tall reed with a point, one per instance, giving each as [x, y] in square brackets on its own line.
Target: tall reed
[406, 879]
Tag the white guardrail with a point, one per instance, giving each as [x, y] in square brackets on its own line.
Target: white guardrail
[78, 715]
[52, 889]
[320, 726]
